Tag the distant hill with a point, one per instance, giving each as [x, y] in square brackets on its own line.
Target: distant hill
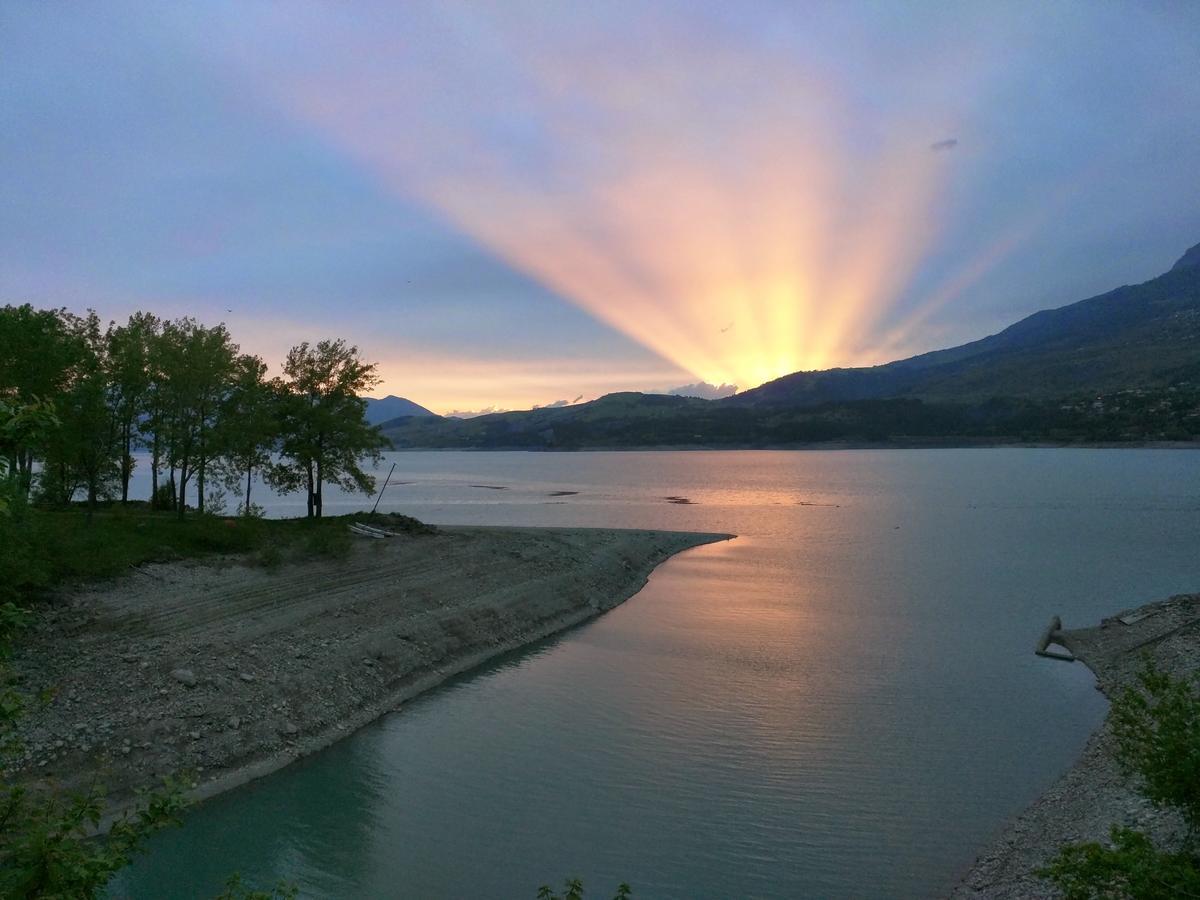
[385, 409]
[1146, 335]
[1121, 366]
[1189, 260]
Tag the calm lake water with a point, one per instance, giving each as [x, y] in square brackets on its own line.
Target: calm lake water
[843, 702]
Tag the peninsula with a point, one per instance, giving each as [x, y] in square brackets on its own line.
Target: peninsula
[229, 670]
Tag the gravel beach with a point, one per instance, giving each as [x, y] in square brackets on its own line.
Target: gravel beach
[1093, 795]
[230, 671]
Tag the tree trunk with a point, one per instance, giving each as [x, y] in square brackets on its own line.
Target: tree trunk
[318, 489]
[310, 492]
[155, 459]
[183, 480]
[249, 472]
[25, 467]
[200, 487]
[126, 468]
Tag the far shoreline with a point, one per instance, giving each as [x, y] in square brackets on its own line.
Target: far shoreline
[828, 446]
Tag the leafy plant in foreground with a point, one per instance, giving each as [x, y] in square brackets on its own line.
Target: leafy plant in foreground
[1156, 727]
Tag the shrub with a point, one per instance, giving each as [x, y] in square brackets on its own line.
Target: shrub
[1156, 728]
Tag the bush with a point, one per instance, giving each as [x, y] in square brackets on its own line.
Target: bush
[1131, 867]
[270, 556]
[1156, 727]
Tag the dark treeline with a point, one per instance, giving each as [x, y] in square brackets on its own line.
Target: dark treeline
[1169, 413]
[207, 414]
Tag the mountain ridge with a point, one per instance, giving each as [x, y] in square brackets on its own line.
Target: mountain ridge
[1039, 378]
[383, 410]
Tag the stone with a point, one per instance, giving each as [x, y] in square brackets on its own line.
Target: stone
[247, 677]
[290, 728]
[186, 677]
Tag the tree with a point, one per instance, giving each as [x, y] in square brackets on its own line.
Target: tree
[249, 425]
[36, 356]
[82, 451]
[129, 366]
[325, 435]
[196, 364]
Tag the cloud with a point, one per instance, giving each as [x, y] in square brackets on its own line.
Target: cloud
[947, 144]
[472, 413]
[704, 390]
[559, 403]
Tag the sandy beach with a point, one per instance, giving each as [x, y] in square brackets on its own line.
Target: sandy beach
[231, 671]
[1093, 795]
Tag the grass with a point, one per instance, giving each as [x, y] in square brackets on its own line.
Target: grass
[43, 548]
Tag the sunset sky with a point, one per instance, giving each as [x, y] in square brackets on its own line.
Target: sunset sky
[508, 204]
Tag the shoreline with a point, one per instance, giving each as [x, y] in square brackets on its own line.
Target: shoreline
[932, 444]
[1091, 796]
[233, 672]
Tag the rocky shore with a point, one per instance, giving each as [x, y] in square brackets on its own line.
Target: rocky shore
[1093, 795]
[229, 671]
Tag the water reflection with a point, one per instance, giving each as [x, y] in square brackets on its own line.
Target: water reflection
[842, 702]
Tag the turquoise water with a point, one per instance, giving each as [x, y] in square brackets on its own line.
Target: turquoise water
[843, 702]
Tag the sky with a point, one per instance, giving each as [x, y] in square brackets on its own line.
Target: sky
[511, 204]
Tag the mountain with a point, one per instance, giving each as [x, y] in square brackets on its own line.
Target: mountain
[385, 409]
[1121, 366]
[1189, 260]
[1140, 336]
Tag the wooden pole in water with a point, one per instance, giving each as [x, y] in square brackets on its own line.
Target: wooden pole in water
[382, 489]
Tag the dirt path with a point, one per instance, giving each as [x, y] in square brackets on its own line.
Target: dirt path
[232, 671]
[1093, 795]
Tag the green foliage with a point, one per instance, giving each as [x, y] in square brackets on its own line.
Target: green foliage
[40, 548]
[270, 556]
[331, 541]
[325, 434]
[180, 389]
[235, 890]
[1132, 867]
[46, 849]
[573, 890]
[1156, 727]
[249, 427]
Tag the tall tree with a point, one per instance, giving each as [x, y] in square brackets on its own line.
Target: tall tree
[129, 355]
[37, 354]
[197, 363]
[82, 452]
[325, 435]
[248, 428]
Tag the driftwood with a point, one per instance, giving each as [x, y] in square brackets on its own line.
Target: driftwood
[1051, 636]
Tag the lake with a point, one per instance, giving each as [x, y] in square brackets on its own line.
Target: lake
[842, 702]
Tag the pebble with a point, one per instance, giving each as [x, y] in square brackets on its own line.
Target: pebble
[186, 677]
